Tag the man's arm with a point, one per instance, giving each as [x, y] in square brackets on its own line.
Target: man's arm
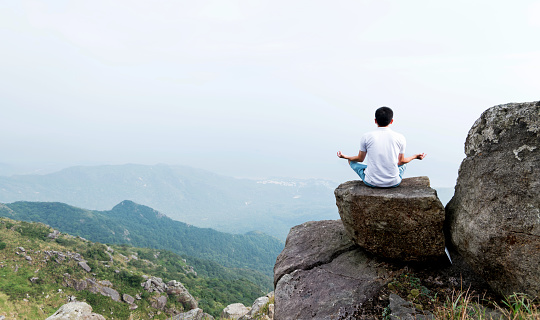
[403, 160]
[359, 158]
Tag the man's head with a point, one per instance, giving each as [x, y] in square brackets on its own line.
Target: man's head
[383, 116]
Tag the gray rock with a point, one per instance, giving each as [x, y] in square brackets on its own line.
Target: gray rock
[493, 220]
[154, 284]
[195, 314]
[271, 311]
[96, 287]
[159, 302]
[128, 299]
[106, 283]
[234, 311]
[75, 310]
[182, 295]
[256, 308]
[310, 244]
[74, 283]
[54, 234]
[404, 310]
[85, 267]
[404, 223]
[331, 276]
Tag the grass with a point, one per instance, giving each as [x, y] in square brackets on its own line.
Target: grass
[33, 285]
[34, 289]
[463, 304]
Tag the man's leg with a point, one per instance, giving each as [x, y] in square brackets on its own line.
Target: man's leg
[359, 169]
[402, 169]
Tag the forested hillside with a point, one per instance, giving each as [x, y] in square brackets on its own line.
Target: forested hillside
[215, 254]
[190, 195]
[39, 273]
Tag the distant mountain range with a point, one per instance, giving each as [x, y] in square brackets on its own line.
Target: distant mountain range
[194, 196]
[250, 256]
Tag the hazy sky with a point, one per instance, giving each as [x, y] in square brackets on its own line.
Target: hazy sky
[256, 88]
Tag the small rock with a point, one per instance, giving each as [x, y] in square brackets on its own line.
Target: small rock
[85, 267]
[404, 310]
[54, 234]
[127, 298]
[106, 283]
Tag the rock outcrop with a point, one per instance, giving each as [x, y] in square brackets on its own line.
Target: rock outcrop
[195, 314]
[493, 220]
[256, 311]
[181, 295]
[75, 310]
[404, 223]
[173, 287]
[321, 273]
[92, 285]
[234, 311]
[101, 288]
[400, 309]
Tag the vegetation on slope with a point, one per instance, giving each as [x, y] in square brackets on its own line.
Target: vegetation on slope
[214, 254]
[32, 283]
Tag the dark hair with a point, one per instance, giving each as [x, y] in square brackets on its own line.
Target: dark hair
[384, 115]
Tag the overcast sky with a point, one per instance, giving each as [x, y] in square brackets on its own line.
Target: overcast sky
[256, 88]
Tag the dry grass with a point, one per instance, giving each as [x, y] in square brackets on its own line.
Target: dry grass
[464, 305]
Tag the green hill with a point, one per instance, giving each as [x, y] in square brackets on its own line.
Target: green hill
[215, 254]
[38, 274]
[194, 196]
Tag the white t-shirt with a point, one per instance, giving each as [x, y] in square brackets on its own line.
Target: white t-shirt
[382, 148]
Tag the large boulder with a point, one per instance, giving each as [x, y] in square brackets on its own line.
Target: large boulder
[75, 311]
[493, 220]
[97, 287]
[404, 223]
[322, 274]
[182, 295]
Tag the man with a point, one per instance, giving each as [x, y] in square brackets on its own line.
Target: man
[385, 151]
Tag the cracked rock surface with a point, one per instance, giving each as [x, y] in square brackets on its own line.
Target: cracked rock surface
[322, 274]
[493, 220]
[403, 223]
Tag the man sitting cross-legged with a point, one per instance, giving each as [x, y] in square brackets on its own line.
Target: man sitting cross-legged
[384, 148]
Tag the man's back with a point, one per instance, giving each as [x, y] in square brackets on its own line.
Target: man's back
[382, 147]
[384, 152]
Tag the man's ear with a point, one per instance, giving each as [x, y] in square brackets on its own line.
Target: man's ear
[391, 121]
